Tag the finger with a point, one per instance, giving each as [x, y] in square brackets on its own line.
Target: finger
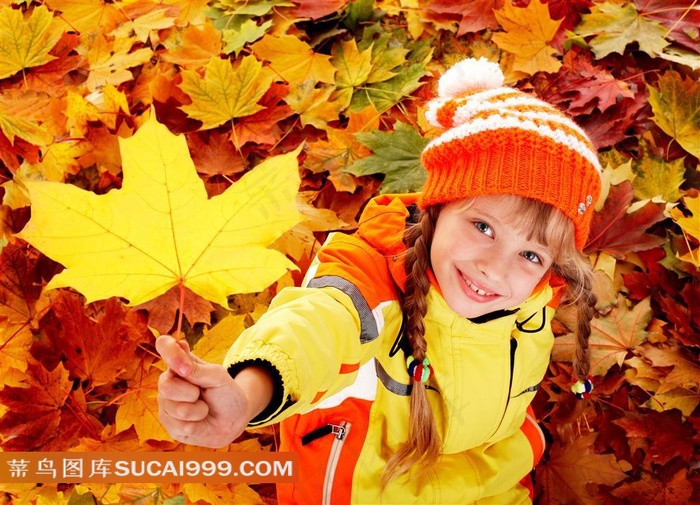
[174, 355]
[181, 411]
[173, 387]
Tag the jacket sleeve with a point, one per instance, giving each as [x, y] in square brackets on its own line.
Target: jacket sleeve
[314, 339]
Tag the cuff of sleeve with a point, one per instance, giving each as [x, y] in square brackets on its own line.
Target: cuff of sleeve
[277, 400]
[282, 370]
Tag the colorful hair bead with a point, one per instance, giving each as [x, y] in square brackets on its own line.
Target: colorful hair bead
[582, 389]
[419, 371]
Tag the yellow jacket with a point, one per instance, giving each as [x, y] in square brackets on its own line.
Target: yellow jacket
[342, 385]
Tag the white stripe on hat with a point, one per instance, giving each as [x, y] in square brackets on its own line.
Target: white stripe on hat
[497, 122]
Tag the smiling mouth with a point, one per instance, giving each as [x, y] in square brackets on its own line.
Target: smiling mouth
[476, 289]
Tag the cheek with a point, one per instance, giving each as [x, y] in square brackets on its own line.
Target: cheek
[526, 282]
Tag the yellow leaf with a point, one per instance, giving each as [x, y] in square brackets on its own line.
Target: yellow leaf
[691, 224]
[61, 158]
[215, 343]
[17, 118]
[529, 32]
[353, 66]
[613, 177]
[618, 333]
[15, 341]
[89, 16]
[25, 43]
[190, 12]
[193, 47]
[160, 230]
[144, 27]
[294, 59]
[139, 406]
[616, 25]
[104, 105]
[314, 105]
[658, 178]
[237, 37]
[682, 399]
[110, 60]
[676, 107]
[225, 93]
[685, 373]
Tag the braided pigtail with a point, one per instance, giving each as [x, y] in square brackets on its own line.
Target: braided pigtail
[578, 275]
[423, 444]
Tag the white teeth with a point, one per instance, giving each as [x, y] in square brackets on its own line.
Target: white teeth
[477, 290]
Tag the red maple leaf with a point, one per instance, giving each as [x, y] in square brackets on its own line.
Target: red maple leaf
[616, 232]
[47, 414]
[683, 314]
[473, 16]
[582, 86]
[666, 433]
[650, 490]
[315, 10]
[162, 311]
[95, 350]
[654, 279]
[679, 16]
[13, 154]
[214, 154]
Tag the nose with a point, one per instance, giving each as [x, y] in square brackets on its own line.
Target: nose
[494, 264]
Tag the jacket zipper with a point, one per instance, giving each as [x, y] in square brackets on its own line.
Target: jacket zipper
[513, 348]
[340, 432]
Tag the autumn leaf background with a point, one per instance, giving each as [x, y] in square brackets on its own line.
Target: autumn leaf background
[337, 90]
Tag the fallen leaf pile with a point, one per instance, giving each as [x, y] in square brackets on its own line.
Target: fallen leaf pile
[167, 167]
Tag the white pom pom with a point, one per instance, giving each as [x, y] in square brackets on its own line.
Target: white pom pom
[470, 75]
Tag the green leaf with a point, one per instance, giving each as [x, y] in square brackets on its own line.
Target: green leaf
[357, 12]
[396, 155]
[397, 68]
[241, 32]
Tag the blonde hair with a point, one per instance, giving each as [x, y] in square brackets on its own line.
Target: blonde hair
[545, 224]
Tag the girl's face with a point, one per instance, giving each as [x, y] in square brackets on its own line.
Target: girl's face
[482, 260]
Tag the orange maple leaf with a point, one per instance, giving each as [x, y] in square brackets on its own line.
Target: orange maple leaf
[528, 34]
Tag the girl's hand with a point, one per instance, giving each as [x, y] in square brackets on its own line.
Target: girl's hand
[199, 403]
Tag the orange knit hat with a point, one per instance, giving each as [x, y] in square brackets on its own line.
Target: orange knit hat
[500, 140]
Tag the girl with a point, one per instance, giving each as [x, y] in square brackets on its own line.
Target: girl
[403, 371]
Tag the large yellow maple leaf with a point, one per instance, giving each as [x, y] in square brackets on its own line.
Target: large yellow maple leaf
[529, 32]
[160, 230]
[26, 43]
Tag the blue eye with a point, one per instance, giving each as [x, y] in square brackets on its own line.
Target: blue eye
[532, 257]
[483, 228]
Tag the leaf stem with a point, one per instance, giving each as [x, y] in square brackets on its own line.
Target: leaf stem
[181, 310]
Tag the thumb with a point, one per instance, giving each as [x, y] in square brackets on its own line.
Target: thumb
[204, 374]
[181, 361]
